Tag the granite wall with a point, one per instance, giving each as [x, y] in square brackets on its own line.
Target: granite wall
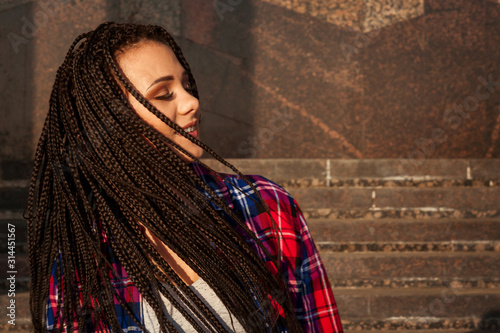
[278, 78]
[349, 79]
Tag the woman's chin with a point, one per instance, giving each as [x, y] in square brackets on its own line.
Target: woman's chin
[189, 159]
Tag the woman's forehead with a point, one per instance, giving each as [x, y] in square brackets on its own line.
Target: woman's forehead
[147, 61]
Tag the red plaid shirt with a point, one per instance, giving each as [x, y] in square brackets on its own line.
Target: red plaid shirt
[304, 272]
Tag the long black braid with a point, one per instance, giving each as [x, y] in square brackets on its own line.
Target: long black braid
[98, 180]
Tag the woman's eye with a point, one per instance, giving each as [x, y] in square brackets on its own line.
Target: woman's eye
[164, 96]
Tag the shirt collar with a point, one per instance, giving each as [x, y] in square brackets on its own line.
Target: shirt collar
[215, 182]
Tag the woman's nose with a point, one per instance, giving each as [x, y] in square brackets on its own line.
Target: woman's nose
[189, 103]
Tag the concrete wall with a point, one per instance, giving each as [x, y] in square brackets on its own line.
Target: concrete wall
[358, 79]
[312, 79]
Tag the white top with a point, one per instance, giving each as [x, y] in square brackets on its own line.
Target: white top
[207, 295]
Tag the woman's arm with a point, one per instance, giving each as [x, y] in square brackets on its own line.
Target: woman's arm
[304, 271]
[316, 307]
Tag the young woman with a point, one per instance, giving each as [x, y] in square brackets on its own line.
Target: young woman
[129, 231]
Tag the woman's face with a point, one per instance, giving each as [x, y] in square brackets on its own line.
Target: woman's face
[155, 72]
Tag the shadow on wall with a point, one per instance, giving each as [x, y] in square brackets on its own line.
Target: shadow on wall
[18, 90]
[217, 41]
[400, 86]
[35, 38]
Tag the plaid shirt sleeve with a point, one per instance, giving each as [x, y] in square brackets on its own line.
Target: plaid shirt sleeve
[301, 264]
[316, 307]
[308, 283]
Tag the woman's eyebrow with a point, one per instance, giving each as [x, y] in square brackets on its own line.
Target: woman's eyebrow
[164, 78]
[161, 79]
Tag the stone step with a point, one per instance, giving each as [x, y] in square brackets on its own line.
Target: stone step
[384, 327]
[354, 213]
[363, 271]
[439, 310]
[417, 282]
[20, 247]
[380, 265]
[404, 230]
[351, 328]
[370, 270]
[481, 199]
[359, 202]
[371, 224]
[23, 316]
[389, 182]
[372, 172]
[15, 170]
[444, 307]
[19, 328]
[359, 234]
[360, 247]
[13, 197]
[19, 234]
[283, 169]
[380, 326]
[20, 267]
[379, 213]
[442, 246]
[423, 325]
[399, 249]
[23, 283]
[11, 214]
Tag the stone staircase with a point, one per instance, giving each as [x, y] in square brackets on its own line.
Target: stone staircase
[407, 246]
[13, 197]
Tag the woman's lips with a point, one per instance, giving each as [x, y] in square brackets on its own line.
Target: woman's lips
[194, 124]
[194, 133]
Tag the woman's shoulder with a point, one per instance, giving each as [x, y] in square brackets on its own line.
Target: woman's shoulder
[281, 203]
[273, 193]
[263, 184]
[240, 195]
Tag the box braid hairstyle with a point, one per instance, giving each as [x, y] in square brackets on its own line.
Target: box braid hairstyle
[96, 175]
